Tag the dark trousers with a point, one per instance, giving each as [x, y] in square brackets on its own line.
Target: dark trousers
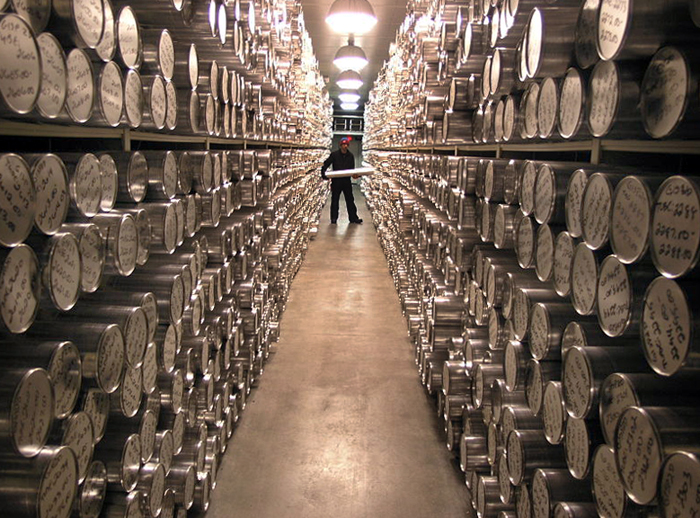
[343, 185]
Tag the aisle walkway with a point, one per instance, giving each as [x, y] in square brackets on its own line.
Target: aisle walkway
[340, 426]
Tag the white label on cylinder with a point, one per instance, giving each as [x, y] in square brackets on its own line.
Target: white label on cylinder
[521, 314]
[133, 99]
[547, 105]
[59, 484]
[573, 336]
[96, 405]
[177, 299]
[534, 388]
[166, 55]
[107, 46]
[88, 16]
[679, 486]
[49, 177]
[149, 304]
[666, 326]
[638, 455]
[511, 366]
[129, 38]
[170, 347]
[553, 414]
[584, 272]
[136, 336]
[19, 289]
[167, 450]
[110, 359]
[570, 104]
[80, 96]
[92, 254]
[170, 174]
[535, 38]
[603, 94]
[191, 216]
[514, 453]
[675, 238]
[150, 368]
[525, 242]
[540, 496]
[64, 268]
[178, 432]
[577, 447]
[17, 200]
[613, 17]
[545, 187]
[170, 228]
[631, 219]
[544, 263]
[193, 66]
[577, 384]
[614, 297]
[109, 182]
[79, 437]
[130, 391]
[158, 102]
[508, 118]
[539, 332]
[608, 492]
[137, 177]
[53, 76]
[506, 488]
[147, 432]
[87, 185]
[616, 395]
[574, 200]
[131, 462]
[127, 245]
[31, 413]
[155, 497]
[527, 188]
[664, 92]
[111, 93]
[530, 114]
[65, 372]
[595, 211]
[170, 105]
[20, 65]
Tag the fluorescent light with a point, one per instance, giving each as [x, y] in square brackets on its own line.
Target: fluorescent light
[349, 106]
[350, 57]
[349, 80]
[349, 97]
[351, 17]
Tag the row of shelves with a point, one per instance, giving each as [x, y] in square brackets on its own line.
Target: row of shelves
[595, 146]
[127, 135]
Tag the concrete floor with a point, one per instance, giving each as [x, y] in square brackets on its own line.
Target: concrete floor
[340, 425]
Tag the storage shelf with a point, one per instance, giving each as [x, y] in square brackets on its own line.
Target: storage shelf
[126, 135]
[595, 146]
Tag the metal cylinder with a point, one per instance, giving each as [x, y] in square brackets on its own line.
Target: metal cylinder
[675, 249]
[550, 486]
[21, 86]
[584, 371]
[584, 271]
[608, 491]
[527, 451]
[549, 40]
[54, 77]
[612, 102]
[553, 412]
[678, 475]
[43, 486]
[20, 289]
[572, 103]
[662, 431]
[667, 342]
[538, 375]
[91, 494]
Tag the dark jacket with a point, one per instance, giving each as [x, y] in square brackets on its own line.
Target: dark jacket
[339, 161]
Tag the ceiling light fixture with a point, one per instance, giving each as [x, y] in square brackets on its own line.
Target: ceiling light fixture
[348, 107]
[351, 17]
[349, 80]
[349, 97]
[350, 57]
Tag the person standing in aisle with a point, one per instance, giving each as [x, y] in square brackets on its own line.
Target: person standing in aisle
[341, 159]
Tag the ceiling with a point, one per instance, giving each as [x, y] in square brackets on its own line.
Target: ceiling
[390, 14]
